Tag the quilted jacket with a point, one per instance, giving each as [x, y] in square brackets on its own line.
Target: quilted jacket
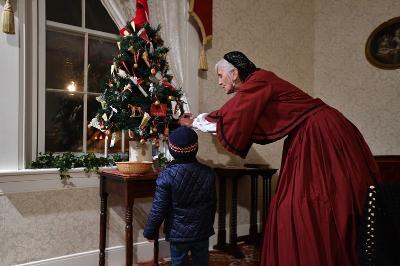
[185, 199]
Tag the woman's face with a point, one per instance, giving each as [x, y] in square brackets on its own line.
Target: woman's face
[225, 80]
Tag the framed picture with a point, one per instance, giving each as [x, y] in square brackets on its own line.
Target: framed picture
[383, 45]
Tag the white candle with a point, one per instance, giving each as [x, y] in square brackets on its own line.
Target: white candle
[106, 146]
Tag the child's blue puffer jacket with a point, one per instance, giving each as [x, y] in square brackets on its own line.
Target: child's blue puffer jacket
[186, 199]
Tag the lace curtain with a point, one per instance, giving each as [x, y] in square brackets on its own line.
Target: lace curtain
[120, 10]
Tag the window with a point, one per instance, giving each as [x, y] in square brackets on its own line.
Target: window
[75, 52]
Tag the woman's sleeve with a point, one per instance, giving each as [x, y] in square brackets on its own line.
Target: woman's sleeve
[237, 119]
[203, 125]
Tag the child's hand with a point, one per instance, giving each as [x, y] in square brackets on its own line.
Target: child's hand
[188, 115]
[187, 122]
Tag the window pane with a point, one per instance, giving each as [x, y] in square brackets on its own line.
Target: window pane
[67, 12]
[64, 122]
[64, 60]
[97, 17]
[101, 54]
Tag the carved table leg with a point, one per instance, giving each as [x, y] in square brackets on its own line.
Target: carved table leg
[253, 211]
[221, 244]
[103, 226]
[156, 249]
[266, 197]
[128, 235]
[234, 249]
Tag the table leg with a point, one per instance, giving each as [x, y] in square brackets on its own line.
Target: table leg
[156, 249]
[103, 225]
[128, 235]
[221, 244]
[234, 249]
[253, 211]
[266, 197]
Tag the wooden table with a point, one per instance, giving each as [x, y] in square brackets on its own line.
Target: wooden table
[234, 173]
[129, 187]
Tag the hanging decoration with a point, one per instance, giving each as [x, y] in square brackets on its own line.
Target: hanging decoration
[8, 18]
[202, 13]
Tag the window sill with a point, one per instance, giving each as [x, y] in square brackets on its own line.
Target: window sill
[33, 180]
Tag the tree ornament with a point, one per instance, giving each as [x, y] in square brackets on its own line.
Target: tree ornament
[168, 85]
[136, 81]
[171, 98]
[131, 134]
[142, 141]
[125, 66]
[176, 112]
[166, 133]
[136, 58]
[145, 120]
[113, 67]
[151, 89]
[154, 129]
[127, 87]
[158, 110]
[157, 102]
[136, 110]
[153, 71]
[145, 57]
[143, 35]
[121, 73]
[159, 75]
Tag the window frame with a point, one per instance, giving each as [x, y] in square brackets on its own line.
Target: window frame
[43, 26]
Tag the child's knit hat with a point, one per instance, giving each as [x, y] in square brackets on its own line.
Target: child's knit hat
[183, 143]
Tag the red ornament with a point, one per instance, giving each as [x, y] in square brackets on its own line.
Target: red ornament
[158, 110]
[168, 85]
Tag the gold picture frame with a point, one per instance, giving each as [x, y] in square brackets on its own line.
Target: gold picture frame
[383, 45]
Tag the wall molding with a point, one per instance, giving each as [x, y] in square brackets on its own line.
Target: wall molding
[115, 256]
[34, 180]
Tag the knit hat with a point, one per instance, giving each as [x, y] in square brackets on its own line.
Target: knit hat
[183, 143]
[241, 62]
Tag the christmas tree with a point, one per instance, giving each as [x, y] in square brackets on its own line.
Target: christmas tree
[139, 96]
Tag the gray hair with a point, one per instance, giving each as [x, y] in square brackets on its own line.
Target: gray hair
[226, 67]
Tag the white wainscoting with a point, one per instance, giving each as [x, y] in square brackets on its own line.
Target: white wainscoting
[32, 180]
[115, 256]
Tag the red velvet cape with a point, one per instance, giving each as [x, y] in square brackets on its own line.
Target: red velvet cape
[265, 108]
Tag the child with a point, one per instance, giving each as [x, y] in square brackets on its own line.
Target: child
[185, 199]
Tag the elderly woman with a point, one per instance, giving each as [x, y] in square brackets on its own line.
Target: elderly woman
[326, 164]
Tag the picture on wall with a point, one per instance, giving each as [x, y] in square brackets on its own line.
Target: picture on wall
[383, 45]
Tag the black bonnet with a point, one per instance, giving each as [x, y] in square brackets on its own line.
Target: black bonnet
[241, 62]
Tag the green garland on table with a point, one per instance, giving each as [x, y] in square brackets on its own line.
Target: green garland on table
[66, 161]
